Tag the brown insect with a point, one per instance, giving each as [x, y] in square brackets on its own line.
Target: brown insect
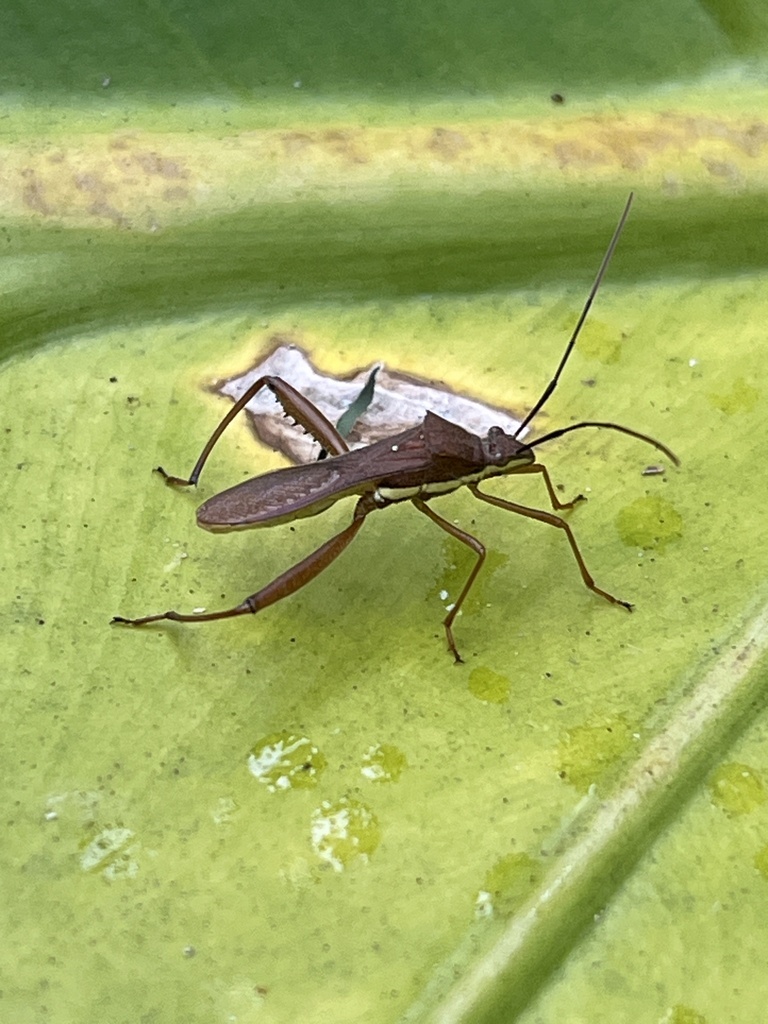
[417, 465]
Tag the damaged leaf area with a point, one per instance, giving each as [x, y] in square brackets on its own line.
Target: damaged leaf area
[399, 402]
[146, 181]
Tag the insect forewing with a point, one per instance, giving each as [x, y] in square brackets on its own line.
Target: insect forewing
[300, 491]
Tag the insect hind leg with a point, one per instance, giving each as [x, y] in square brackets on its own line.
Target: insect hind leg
[284, 585]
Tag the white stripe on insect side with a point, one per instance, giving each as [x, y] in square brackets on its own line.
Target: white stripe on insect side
[384, 494]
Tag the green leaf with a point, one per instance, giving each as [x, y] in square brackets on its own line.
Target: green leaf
[572, 825]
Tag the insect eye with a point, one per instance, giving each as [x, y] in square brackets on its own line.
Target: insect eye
[494, 447]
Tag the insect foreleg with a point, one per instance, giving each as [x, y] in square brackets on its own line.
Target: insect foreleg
[552, 520]
[536, 467]
[295, 405]
[476, 546]
[287, 583]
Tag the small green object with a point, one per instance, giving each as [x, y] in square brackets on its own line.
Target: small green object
[680, 1014]
[508, 884]
[649, 523]
[600, 342]
[737, 789]
[343, 831]
[587, 751]
[487, 685]
[383, 763]
[284, 760]
[348, 419]
[111, 853]
[761, 862]
[741, 397]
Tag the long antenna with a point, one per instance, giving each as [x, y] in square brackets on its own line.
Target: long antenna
[607, 426]
[577, 329]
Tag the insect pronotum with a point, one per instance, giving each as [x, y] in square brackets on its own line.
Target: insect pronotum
[417, 465]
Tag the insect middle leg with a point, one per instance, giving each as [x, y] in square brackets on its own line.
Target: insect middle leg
[476, 546]
[561, 524]
[286, 583]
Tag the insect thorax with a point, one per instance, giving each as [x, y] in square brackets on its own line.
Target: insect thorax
[494, 455]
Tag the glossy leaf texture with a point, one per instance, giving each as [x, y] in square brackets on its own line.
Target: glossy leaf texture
[314, 815]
